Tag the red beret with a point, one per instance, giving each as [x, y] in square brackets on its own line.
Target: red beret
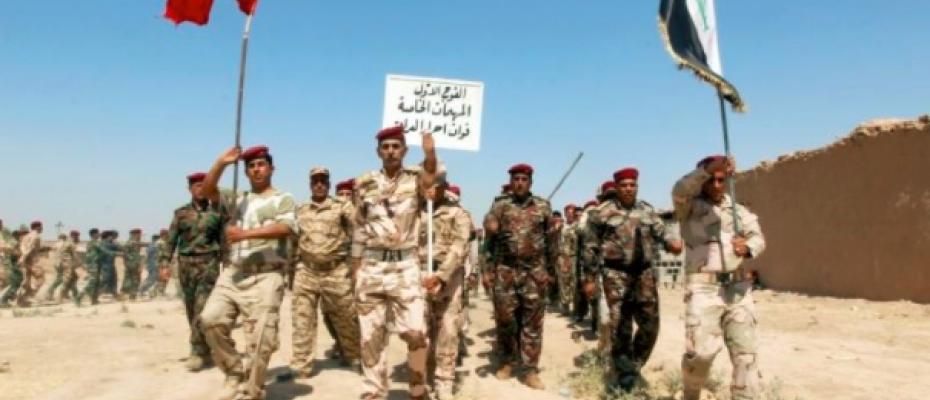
[347, 184]
[521, 169]
[163, 232]
[394, 132]
[455, 189]
[569, 206]
[75, 233]
[608, 185]
[135, 230]
[196, 177]
[626, 173]
[590, 203]
[35, 224]
[254, 152]
[709, 159]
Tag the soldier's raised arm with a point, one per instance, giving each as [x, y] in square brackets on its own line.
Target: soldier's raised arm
[430, 162]
[210, 183]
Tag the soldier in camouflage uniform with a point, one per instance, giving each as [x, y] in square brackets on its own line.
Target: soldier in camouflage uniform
[583, 304]
[65, 256]
[9, 254]
[33, 274]
[92, 266]
[323, 278]
[443, 282]
[566, 261]
[621, 241]
[253, 283]
[719, 307]
[196, 234]
[518, 224]
[384, 256]
[109, 249]
[132, 261]
[151, 267]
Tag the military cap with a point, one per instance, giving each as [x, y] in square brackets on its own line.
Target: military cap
[75, 233]
[608, 186]
[93, 231]
[393, 132]
[196, 177]
[626, 173]
[135, 230]
[590, 203]
[319, 171]
[35, 224]
[348, 184]
[455, 189]
[521, 169]
[709, 159]
[163, 232]
[254, 152]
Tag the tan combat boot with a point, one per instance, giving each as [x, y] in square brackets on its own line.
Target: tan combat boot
[532, 380]
[195, 363]
[504, 372]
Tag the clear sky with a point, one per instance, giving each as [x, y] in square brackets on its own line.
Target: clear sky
[105, 106]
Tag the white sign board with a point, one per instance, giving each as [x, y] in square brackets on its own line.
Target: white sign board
[449, 109]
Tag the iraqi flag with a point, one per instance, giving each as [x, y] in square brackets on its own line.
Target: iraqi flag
[198, 11]
[689, 29]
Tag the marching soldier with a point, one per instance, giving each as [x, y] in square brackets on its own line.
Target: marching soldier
[132, 260]
[92, 267]
[568, 251]
[719, 307]
[9, 255]
[518, 224]
[33, 274]
[384, 256]
[621, 241]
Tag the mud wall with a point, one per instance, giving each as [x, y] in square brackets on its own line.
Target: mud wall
[851, 219]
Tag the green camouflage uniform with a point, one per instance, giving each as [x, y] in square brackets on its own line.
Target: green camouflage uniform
[719, 307]
[92, 265]
[568, 251]
[524, 251]
[196, 233]
[132, 259]
[9, 255]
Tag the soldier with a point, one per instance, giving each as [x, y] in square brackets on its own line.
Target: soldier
[556, 223]
[108, 250]
[621, 241]
[65, 277]
[384, 258]
[196, 234]
[443, 282]
[518, 224]
[151, 267]
[568, 244]
[323, 277]
[132, 261]
[33, 274]
[344, 190]
[253, 284]
[9, 250]
[719, 303]
[92, 267]
[582, 303]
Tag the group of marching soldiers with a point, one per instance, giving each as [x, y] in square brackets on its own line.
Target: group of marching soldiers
[23, 276]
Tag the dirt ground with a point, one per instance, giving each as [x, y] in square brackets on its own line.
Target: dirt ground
[812, 348]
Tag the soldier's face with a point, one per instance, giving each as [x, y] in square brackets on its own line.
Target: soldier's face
[570, 215]
[715, 187]
[319, 186]
[75, 238]
[392, 152]
[95, 236]
[345, 194]
[196, 190]
[259, 172]
[435, 193]
[627, 190]
[520, 184]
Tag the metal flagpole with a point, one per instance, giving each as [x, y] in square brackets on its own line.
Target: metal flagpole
[429, 237]
[565, 176]
[731, 185]
[242, 62]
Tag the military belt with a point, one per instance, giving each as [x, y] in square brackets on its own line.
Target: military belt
[198, 256]
[718, 278]
[259, 268]
[320, 263]
[390, 255]
[630, 268]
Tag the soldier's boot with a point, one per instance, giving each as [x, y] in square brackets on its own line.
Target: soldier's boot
[443, 390]
[504, 372]
[196, 363]
[230, 388]
[532, 380]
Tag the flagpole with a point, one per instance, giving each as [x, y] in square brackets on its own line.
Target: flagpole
[565, 176]
[731, 184]
[242, 63]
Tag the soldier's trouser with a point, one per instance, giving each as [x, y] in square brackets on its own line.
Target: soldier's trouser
[632, 297]
[328, 287]
[131, 279]
[93, 287]
[717, 314]
[566, 286]
[257, 296]
[59, 279]
[69, 285]
[444, 318]
[390, 286]
[151, 278]
[14, 281]
[197, 275]
[520, 296]
[107, 279]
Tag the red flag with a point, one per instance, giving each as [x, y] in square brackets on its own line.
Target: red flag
[198, 11]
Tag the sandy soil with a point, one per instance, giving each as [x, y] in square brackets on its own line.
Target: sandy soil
[818, 348]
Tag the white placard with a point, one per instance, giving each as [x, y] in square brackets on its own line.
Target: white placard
[450, 109]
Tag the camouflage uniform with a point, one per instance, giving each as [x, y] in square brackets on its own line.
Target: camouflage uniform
[583, 305]
[33, 274]
[567, 260]
[719, 306]
[9, 255]
[92, 266]
[132, 260]
[451, 230]
[253, 285]
[323, 280]
[164, 265]
[620, 245]
[388, 281]
[107, 252]
[523, 249]
[65, 276]
[196, 234]
[151, 267]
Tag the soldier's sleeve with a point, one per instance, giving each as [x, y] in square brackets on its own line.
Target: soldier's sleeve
[27, 248]
[347, 217]
[551, 238]
[360, 236]
[751, 230]
[660, 232]
[589, 238]
[172, 243]
[456, 254]
[492, 221]
[686, 189]
[286, 212]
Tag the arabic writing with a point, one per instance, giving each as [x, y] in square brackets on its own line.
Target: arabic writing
[440, 108]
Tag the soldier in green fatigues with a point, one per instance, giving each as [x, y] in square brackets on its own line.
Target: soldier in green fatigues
[132, 259]
[108, 250]
[92, 265]
[9, 252]
[196, 234]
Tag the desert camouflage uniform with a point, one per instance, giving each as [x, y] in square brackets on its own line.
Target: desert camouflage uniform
[132, 260]
[719, 308]
[196, 234]
[620, 245]
[65, 270]
[388, 281]
[451, 230]
[523, 250]
[567, 263]
[323, 280]
[583, 305]
[33, 274]
[253, 285]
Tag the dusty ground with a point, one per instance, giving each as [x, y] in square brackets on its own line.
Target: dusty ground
[814, 348]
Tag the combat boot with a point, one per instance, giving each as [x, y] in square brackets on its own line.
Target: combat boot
[532, 380]
[230, 388]
[504, 372]
[196, 363]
